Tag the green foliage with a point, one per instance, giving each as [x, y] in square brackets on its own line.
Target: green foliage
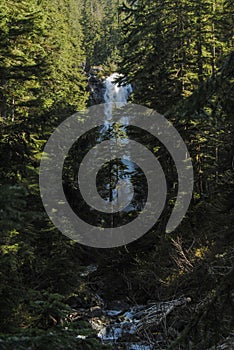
[41, 83]
[41, 64]
[61, 339]
[100, 20]
[48, 310]
[171, 47]
[11, 286]
[177, 55]
[65, 84]
[23, 57]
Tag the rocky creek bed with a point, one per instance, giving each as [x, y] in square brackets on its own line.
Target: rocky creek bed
[131, 327]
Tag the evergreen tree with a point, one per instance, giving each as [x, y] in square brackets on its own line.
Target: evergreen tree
[178, 56]
[42, 82]
[23, 58]
[100, 20]
[169, 48]
[66, 82]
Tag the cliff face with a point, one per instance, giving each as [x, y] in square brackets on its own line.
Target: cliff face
[96, 86]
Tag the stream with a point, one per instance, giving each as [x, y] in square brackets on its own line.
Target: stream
[131, 327]
[137, 328]
[125, 326]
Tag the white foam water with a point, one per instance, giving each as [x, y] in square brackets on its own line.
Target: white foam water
[115, 95]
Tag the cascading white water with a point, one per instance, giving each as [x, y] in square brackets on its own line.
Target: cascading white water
[115, 95]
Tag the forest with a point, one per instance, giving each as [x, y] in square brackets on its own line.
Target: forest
[55, 293]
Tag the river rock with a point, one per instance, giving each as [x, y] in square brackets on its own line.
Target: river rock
[95, 311]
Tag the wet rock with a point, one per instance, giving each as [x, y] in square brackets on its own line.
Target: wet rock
[96, 86]
[95, 311]
[78, 315]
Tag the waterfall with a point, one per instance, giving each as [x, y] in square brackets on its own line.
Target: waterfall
[115, 95]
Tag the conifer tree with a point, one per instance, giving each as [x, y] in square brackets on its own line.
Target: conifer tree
[42, 82]
[169, 48]
[100, 20]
